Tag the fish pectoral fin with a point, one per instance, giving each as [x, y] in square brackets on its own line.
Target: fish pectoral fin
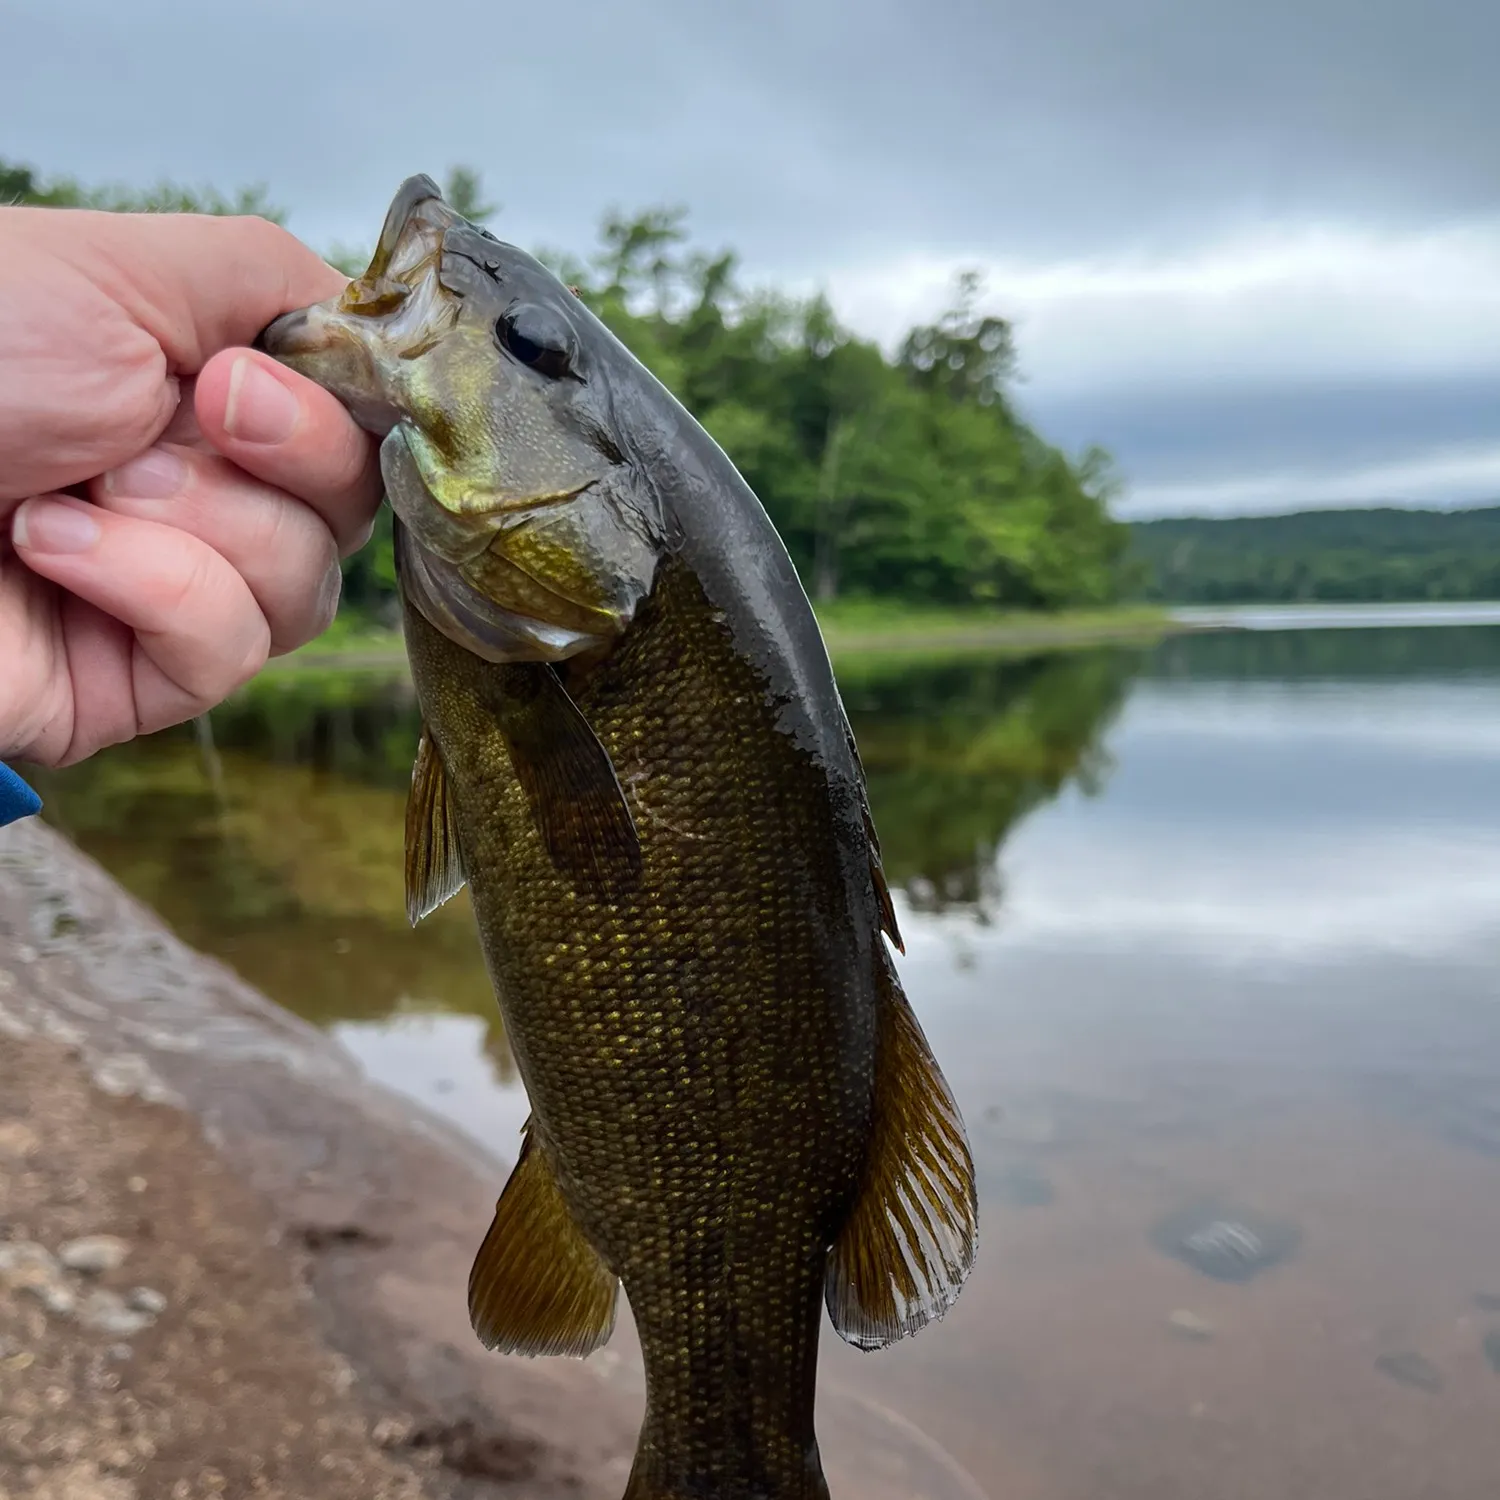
[434, 864]
[569, 780]
[539, 1287]
[909, 1242]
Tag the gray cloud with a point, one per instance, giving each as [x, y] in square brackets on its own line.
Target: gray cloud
[824, 138]
[1323, 443]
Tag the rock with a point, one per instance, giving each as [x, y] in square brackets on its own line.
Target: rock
[147, 1300]
[1491, 1348]
[56, 1296]
[1224, 1243]
[1411, 1369]
[29, 1268]
[21, 1258]
[106, 1312]
[1190, 1325]
[94, 1254]
[17, 1138]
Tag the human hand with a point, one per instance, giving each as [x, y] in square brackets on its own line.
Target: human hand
[211, 491]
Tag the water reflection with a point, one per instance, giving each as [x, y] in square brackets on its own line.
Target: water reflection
[1229, 1046]
[958, 752]
[280, 848]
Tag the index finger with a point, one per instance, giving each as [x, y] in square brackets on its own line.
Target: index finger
[197, 283]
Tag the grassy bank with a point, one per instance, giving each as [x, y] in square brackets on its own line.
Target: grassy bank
[854, 627]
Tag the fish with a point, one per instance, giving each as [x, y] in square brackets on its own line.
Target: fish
[635, 756]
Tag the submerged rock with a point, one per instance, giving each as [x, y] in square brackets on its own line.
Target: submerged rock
[1411, 1369]
[1492, 1349]
[1225, 1244]
[1190, 1326]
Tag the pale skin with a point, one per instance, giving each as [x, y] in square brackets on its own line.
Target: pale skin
[173, 505]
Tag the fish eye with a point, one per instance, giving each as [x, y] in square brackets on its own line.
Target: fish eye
[539, 338]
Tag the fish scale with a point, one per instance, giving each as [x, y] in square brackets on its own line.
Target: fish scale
[672, 1081]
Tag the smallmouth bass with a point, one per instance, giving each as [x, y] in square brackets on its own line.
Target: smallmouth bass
[635, 754]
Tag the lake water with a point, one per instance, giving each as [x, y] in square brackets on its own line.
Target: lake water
[1207, 939]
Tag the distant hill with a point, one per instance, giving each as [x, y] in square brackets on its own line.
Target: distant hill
[1335, 556]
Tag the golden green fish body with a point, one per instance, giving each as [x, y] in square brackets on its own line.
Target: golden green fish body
[699, 1053]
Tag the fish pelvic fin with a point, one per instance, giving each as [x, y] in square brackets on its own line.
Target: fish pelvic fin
[570, 782]
[434, 864]
[909, 1243]
[538, 1286]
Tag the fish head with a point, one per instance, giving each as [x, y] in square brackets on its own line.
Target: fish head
[526, 534]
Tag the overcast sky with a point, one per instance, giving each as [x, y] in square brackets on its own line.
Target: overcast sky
[1251, 246]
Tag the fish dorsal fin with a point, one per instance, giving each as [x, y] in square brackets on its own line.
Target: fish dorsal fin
[909, 1243]
[539, 1287]
[434, 865]
[569, 780]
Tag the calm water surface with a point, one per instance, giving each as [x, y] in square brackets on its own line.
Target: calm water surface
[1208, 942]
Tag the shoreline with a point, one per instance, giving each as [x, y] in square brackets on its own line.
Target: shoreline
[374, 1205]
[903, 633]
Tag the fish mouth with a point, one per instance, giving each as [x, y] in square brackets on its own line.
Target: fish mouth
[395, 311]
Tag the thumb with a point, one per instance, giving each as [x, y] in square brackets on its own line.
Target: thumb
[197, 283]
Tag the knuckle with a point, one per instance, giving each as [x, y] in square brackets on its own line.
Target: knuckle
[196, 580]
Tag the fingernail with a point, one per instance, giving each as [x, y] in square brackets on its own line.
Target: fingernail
[155, 475]
[52, 526]
[259, 409]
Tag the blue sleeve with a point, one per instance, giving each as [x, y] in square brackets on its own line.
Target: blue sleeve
[17, 800]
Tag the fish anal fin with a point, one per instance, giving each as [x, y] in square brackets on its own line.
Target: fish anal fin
[570, 782]
[434, 865]
[908, 1244]
[538, 1286]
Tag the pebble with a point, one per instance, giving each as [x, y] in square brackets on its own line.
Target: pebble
[94, 1254]
[58, 1299]
[18, 1138]
[1190, 1325]
[106, 1312]
[147, 1300]
[20, 1259]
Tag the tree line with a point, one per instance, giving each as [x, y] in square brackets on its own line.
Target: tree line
[1331, 556]
[905, 474]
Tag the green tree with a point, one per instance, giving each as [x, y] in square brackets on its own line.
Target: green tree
[910, 477]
